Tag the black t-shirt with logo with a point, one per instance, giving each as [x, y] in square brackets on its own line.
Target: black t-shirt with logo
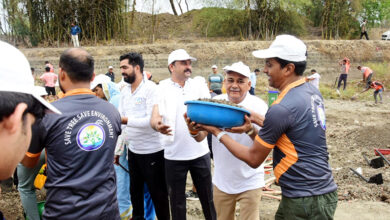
[294, 127]
[80, 147]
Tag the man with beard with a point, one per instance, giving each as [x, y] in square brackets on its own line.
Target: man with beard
[145, 153]
[294, 127]
[80, 146]
[183, 151]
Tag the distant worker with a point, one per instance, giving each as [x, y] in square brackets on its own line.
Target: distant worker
[215, 81]
[47, 63]
[148, 75]
[345, 64]
[378, 90]
[50, 80]
[314, 78]
[75, 31]
[367, 74]
[111, 73]
[363, 27]
[253, 78]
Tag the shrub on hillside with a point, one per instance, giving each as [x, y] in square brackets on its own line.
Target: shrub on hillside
[220, 22]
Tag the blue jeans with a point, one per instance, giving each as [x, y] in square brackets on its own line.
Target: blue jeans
[123, 192]
[26, 188]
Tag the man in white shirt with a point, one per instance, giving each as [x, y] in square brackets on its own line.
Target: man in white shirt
[314, 78]
[183, 151]
[234, 181]
[146, 155]
[253, 79]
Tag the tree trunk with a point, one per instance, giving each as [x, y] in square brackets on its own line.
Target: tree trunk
[173, 7]
[178, 3]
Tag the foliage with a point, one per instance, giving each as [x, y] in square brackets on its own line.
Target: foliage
[215, 22]
[48, 22]
[375, 11]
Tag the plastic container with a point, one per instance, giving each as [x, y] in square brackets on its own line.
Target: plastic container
[216, 114]
[272, 96]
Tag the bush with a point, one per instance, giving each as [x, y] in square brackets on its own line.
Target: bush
[220, 22]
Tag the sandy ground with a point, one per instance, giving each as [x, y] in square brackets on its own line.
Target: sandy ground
[353, 128]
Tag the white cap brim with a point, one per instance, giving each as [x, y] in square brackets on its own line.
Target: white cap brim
[49, 106]
[264, 54]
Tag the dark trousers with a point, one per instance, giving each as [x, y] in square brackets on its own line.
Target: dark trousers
[252, 91]
[368, 81]
[50, 90]
[343, 77]
[149, 169]
[176, 175]
[365, 34]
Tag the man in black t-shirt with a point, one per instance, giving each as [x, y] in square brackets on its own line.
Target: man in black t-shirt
[80, 145]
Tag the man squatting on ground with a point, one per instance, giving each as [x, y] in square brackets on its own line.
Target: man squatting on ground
[235, 181]
[146, 155]
[19, 108]
[294, 127]
[183, 152]
[79, 145]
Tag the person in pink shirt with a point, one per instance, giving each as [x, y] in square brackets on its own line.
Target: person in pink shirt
[50, 80]
[47, 63]
[367, 74]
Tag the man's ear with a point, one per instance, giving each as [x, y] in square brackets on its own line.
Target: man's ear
[290, 69]
[12, 122]
[93, 76]
[61, 74]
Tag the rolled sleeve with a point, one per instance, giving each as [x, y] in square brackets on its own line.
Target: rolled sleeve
[277, 121]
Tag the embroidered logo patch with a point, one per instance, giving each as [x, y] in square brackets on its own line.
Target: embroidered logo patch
[90, 137]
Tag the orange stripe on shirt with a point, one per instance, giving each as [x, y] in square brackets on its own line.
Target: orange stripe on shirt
[290, 86]
[262, 142]
[288, 148]
[80, 91]
[31, 155]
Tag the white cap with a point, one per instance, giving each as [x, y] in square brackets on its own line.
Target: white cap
[39, 90]
[214, 66]
[240, 68]
[286, 47]
[110, 67]
[15, 74]
[179, 54]
[99, 79]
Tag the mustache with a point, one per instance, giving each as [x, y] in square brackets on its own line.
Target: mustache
[188, 70]
[234, 90]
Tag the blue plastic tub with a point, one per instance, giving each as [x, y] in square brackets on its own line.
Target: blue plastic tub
[216, 114]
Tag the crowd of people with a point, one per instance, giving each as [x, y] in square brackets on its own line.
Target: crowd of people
[121, 151]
